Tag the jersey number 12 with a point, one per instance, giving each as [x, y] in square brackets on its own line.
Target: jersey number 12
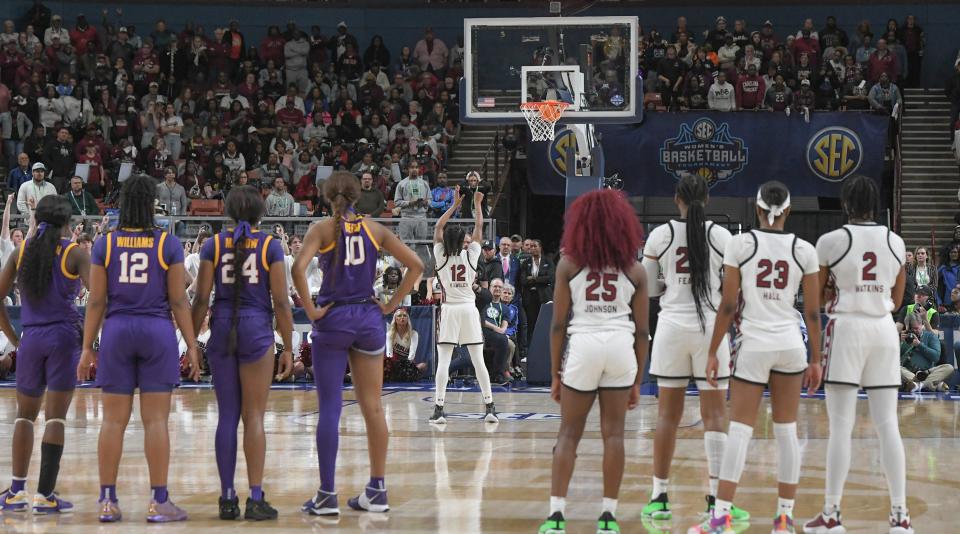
[458, 273]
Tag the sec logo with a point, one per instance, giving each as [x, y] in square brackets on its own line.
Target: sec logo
[558, 150]
[834, 153]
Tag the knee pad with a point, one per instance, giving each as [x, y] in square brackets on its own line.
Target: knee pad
[735, 452]
[788, 452]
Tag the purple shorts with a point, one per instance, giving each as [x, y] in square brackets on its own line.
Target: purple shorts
[254, 338]
[358, 327]
[47, 358]
[138, 352]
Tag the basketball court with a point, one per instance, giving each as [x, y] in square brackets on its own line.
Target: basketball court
[471, 477]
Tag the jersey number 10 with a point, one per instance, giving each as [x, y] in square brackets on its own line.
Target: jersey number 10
[355, 253]
[608, 281]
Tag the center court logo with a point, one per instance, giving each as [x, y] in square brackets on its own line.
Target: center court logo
[834, 153]
[704, 149]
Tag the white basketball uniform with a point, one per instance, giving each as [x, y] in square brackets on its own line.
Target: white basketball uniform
[459, 317]
[772, 266]
[861, 342]
[600, 344]
[680, 346]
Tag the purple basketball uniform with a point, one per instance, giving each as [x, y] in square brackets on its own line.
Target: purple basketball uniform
[50, 344]
[355, 320]
[255, 313]
[138, 344]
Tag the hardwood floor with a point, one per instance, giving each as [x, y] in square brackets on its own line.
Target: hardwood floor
[471, 477]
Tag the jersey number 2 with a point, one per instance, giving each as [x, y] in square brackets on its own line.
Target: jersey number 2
[683, 260]
[458, 273]
[871, 264]
[766, 269]
[607, 280]
[133, 267]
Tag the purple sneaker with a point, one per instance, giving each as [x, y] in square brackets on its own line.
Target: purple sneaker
[371, 500]
[14, 502]
[322, 504]
[109, 511]
[164, 512]
[51, 505]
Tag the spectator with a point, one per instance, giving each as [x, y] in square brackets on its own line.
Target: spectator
[884, 96]
[431, 53]
[372, 201]
[473, 185]
[779, 97]
[272, 169]
[805, 100]
[236, 46]
[338, 44]
[441, 197]
[919, 354]
[50, 107]
[717, 36]
[921, 273]
[388, 288]
[897, 49]
[295, 53]
[58, 159]
[670, 72]
[750, 90]
[403, 340]
[494, 334]
[171, 194]
[948, 274]
[728, 53]
[537, 283]
[272, 46]
[409, 129]
[15, 127]
[721, 95]
[56, 32]
[695, 95]
[882, 61]
[855, 93]
[81, 200]
[279, 202]
[511, 313]
[914, 41]
[377, 52]
[19, 174]
[412, 198]
[96, 182]
[833, 36]
[681, 29]
[865, 51]
[509, 262]
[170, 127]
[31, 192]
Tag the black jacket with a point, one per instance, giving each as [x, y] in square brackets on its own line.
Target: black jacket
[537, 288]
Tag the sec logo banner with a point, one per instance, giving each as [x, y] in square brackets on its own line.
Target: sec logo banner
[558, 150]
[834, 153]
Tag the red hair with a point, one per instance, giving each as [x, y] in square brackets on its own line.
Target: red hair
[601, 231]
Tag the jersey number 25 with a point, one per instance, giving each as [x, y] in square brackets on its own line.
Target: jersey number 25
[608, 281]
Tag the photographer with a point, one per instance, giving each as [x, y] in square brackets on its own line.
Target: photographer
[919, 354]
[922, 300]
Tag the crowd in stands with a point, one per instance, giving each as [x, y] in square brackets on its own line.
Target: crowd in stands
[215, 109]
[736, 68]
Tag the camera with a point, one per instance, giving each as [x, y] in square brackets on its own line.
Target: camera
[911, 337]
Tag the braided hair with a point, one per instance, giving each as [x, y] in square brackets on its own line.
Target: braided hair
[245, 206]
[692, 190]
[40, 252]
[342, 190]
[860, 196]
[453, 236]
[137, 200]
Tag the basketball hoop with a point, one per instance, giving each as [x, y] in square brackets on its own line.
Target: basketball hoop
[542, 117]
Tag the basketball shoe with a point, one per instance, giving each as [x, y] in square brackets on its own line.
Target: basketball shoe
[714, 525]
[259, 510]
[607, 524]
[825, 523]
[438, 417]
[165, 512]
[739, 515]
[658, 509]
[229, 508]
[900, 523]
[371, 500]
[491, 415]
[51, 505]
[322, 504]
[109, 511]
[14, 502]
[554, 524]
[783, 524]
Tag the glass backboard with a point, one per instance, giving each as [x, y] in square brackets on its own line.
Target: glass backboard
[590, 62]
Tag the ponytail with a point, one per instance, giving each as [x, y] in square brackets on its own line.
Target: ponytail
[245, 206]
[692, 190]
[35, 271]
[341, 190]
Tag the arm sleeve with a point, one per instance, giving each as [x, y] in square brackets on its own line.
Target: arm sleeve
[99, 252]
[414, 343]
[173, 250]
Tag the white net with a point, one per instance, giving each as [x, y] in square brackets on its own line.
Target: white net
[542, 117]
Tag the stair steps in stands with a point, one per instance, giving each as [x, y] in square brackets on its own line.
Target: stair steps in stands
[930, 172]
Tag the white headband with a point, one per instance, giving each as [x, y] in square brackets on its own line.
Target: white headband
[773, 211]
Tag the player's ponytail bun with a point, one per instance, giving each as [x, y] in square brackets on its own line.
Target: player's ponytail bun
[40, 252]
[773, 199]
[692, 190]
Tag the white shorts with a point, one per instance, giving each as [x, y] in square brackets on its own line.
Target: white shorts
[680, 354]
[862, 351]
[460, 325]
[600, 360]
[756, 366]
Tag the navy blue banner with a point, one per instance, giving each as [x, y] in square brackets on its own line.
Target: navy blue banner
[735, 152]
